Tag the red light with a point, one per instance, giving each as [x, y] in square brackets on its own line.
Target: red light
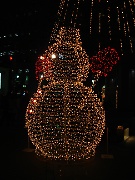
[11, 58]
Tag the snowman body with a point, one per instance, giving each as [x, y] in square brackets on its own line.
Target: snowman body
[65, 119]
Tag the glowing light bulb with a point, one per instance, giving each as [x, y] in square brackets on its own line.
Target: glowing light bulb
[53, 56]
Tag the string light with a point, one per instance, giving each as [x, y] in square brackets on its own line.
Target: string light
[114, 21]
[65, 119]
[67, 15]
[117, 22]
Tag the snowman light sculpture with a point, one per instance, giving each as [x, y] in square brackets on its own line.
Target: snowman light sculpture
[65, 119]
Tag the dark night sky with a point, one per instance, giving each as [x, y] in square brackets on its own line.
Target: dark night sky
[34, 16]
[38, 17]
[23, 15]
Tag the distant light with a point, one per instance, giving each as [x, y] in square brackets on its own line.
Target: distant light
[133, 71]
[20, 70]
[26, 70]
[10, 58]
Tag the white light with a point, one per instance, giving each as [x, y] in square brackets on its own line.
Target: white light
[93, 81]
[41, 76]
[41, 57]
[53, 56]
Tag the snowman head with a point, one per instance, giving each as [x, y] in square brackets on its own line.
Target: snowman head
[70, 60]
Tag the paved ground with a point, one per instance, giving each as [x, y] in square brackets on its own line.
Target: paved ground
[18, 164]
